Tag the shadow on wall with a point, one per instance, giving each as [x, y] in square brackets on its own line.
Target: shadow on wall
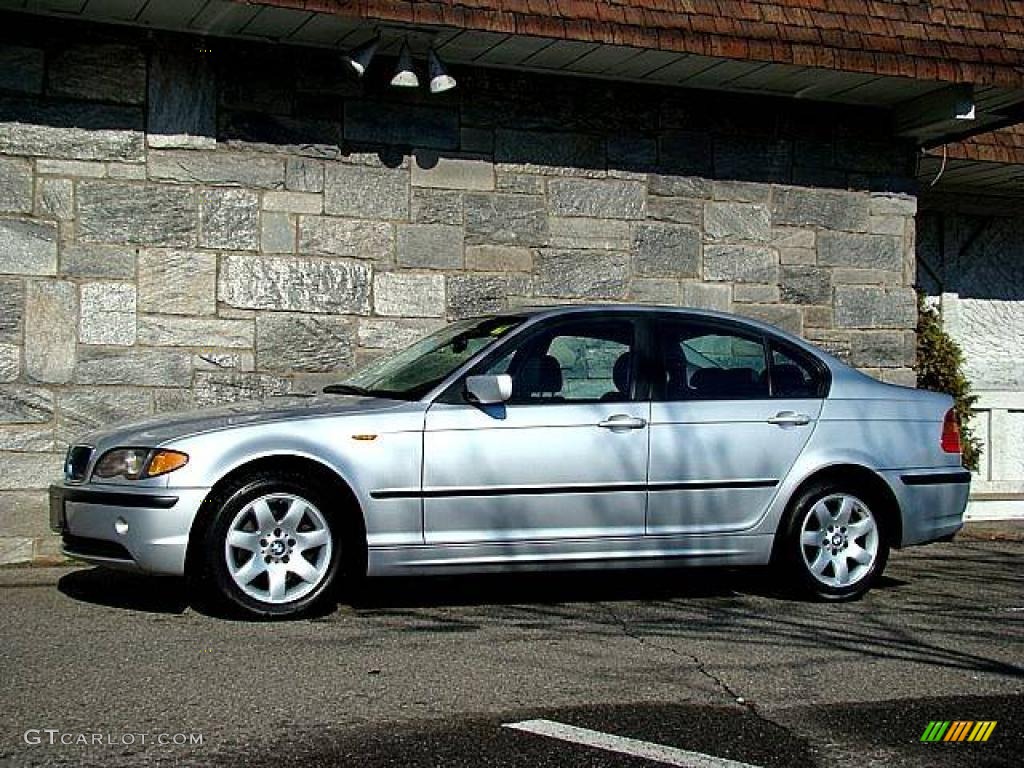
[303, 101]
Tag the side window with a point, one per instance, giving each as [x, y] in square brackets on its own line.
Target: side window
[573, 363]
[793, 375]
[712, 363]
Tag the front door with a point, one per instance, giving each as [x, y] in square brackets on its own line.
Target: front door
[565, 458]
[731, 413]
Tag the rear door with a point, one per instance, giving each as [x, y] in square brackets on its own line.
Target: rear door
[732, 411]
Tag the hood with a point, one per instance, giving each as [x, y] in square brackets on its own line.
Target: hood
[156, 430]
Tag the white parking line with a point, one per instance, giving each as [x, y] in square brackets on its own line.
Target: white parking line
[634, 747]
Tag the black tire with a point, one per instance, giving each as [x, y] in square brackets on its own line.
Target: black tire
[212, 574]
[791, 555]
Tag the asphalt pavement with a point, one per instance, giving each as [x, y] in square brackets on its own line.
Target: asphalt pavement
[102, 668]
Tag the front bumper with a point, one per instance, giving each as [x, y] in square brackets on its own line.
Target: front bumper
[138, 529]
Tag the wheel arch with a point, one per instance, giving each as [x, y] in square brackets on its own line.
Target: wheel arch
[859, 476]
[351, 512]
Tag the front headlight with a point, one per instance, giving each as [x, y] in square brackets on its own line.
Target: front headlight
[138, 463]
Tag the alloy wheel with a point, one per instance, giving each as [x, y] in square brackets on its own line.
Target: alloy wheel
[839, 540]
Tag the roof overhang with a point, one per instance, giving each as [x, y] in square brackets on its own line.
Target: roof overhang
[925, 107]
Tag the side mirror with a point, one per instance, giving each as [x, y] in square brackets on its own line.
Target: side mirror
[488, 390]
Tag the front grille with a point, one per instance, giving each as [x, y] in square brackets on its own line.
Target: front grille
[77, 462]
[80, 545]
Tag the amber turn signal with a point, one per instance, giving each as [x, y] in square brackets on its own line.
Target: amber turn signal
[162, 462]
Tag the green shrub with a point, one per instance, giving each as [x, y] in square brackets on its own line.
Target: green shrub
[940, 369]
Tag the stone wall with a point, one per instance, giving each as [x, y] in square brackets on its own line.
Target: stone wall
[183, 224]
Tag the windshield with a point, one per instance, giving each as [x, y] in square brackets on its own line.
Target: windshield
[413, 372]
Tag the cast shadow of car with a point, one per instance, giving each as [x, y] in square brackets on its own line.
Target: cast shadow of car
[168, 595]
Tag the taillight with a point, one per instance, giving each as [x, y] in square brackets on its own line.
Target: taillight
[951, 433]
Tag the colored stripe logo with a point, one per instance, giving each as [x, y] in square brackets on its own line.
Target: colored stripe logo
[958, 730]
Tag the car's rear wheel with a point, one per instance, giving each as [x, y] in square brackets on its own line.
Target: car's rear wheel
[273, 548]
[835, 545]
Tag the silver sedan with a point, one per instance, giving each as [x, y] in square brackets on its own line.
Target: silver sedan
[573, 437]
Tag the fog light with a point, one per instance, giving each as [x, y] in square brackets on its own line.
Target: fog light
[121, 526]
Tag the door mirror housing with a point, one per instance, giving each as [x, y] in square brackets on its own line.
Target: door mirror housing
[488, 390]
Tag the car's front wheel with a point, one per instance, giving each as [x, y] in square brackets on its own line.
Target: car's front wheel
[835, 545]
[272, 549]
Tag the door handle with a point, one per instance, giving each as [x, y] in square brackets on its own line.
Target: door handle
[621, 421]
[789, 419]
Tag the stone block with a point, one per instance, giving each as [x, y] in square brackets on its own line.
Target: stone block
[501, 219]
[15, 185]
[597, 234]
[755, 293]
[29, 471]
[10, 362]
[177, 282]
[883, 204]
[12, 299]
[881, 349]
[393, 124]
[82, 169]
[308, 343]
[887, 225]
[499, 258]
[735, 222]
[55, 199]
[28, 247]
[217, 168]
[678, 186]
[99, 72]
[25, 405]
[169, 331]
[803, 256]
[21, 69]
[229, 219]
[143, 214]
[277, 232]
[655, 291]
[686, 152]
[70, 130]
[431, 246]
[364, 192]
[293, 202]
[380, 333]
[51, 320]
[304, 174]
[788, 319]
[83, 410]
[107, 314]
[473, 295]
[182, 99]
[518, 182]
[828, 209]
[405, 294]
[594, 198]
[431, 170]
[805, 285]
[740, 263]
[437, 206]
[582, 274]
[843, 249]
[25, 513]
[713, 296]
[741, 192]
[677, 210]
[220, 387]
[666, 250]
[550, 153]
[28, 437]
[133, 365]
[131, 171]
[350, 238]
[872, 307]
[335, 286]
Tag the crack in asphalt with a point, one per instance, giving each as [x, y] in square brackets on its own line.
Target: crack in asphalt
[703, 670]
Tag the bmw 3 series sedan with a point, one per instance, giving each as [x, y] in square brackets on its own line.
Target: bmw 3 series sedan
[563, 438]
